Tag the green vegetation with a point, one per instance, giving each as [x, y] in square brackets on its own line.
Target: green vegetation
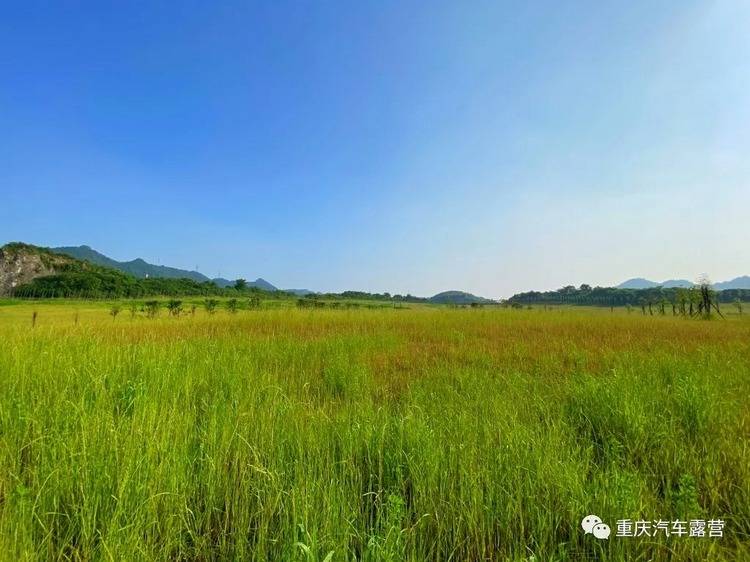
[364, 296]
[82, 279]
[75, 278]
[90, 281]
[137, 268]
[100, 282]
[152, 308]
[610, 296]
[334, 434]
[210, 305]
[175, 307]
[13, 249]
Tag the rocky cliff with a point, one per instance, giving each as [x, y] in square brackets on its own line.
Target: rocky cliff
[21, 263]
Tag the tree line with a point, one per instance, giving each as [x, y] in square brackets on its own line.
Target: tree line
[94, 282]
[612, 296]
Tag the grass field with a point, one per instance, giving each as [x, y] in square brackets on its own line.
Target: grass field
[419, 434]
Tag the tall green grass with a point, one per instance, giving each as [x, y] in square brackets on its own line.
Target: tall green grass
[370, 435]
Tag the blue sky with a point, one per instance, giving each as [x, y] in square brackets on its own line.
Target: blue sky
[387, 146]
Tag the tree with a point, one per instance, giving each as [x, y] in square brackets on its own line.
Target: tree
[682, 296]
[152, 308]
[240, 284]
[693, 299]
[114, 311]
[707, 297]
[253, 302]
[210, 305]
[175, 307]
[585, 287]
[232, 306]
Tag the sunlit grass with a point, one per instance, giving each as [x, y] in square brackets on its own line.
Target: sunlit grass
[420, 434]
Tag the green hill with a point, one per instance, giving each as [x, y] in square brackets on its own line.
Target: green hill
[458, 297]
[137, 268]
[28, 271]
[142, 269]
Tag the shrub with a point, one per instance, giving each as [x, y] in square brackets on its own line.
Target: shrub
[175, 307]
[152, 308]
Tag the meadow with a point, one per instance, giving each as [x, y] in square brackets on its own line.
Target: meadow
[419, 434]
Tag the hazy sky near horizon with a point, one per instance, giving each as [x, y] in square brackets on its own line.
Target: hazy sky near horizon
[397, 146]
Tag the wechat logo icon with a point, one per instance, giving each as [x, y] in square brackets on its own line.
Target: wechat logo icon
[592, 524]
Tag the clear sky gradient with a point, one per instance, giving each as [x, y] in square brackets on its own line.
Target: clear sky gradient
[394, 146]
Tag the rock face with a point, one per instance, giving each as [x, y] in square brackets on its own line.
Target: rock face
[21, 263]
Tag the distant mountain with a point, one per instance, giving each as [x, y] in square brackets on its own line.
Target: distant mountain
[259, 283]
[299, 292]
[673, 283]
[142, 269]
[640, 283]
[137, 267]
[457, 297]
[221, 282]
[637, 283]
[262, 284]
[736, 283]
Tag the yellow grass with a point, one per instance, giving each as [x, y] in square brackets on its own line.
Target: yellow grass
[416, 434]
